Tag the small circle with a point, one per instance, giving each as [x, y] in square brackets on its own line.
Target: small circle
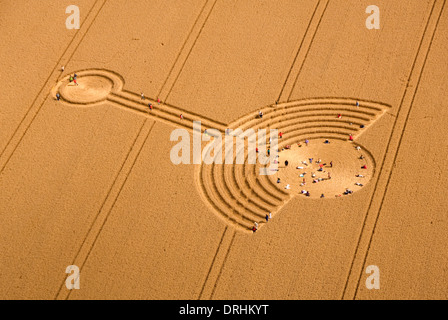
[87, 89]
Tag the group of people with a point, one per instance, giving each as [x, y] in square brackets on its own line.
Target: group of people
[267, 217]
[313, 174]
[316, 179]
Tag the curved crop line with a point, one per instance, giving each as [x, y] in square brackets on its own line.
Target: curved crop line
[311, 112]
[227, 202]
[231, 192]
[253, 184]
[242, 205]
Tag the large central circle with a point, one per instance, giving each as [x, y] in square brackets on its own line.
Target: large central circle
[304, 162]
[89, 89]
